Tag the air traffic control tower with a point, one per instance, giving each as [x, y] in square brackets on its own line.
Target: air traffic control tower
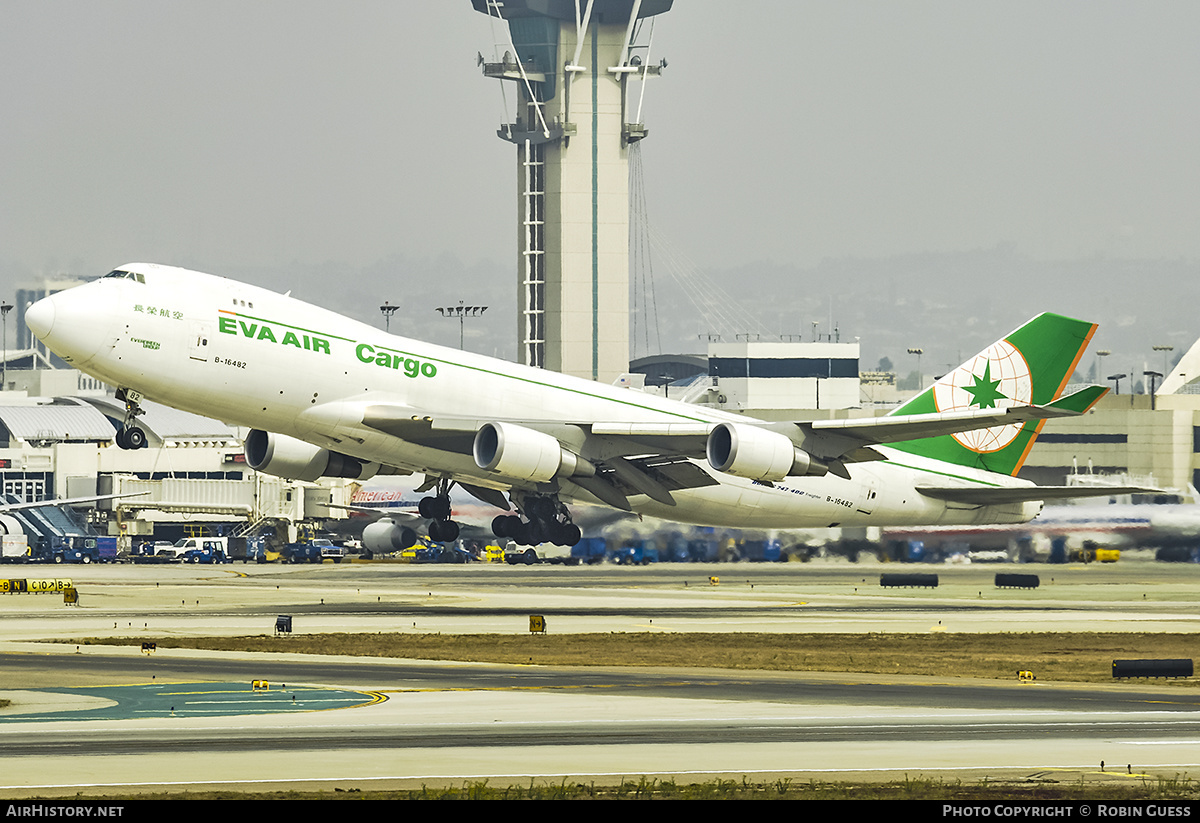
[576, 66]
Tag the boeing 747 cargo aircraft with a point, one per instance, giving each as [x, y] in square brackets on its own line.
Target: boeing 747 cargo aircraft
[324, 395]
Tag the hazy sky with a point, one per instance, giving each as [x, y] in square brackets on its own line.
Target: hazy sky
[320, 136]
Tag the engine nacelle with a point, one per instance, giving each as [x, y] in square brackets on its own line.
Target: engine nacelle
[10, 525]
[294, 459]
[524, 454]
[385, 535]
[758, 454]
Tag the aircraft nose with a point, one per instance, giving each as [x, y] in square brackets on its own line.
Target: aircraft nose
[74, 323]
[39, 318]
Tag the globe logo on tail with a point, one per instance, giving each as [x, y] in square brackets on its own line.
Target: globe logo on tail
[994, 379]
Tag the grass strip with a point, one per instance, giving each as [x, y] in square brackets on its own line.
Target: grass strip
[1076, 657]
[916, 788]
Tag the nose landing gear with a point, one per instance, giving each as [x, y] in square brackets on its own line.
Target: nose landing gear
[131, 436]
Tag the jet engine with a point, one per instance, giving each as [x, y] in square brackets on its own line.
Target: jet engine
[524, 454]
[10, 525]
[758, 454]
[294, 459]
[385, 535]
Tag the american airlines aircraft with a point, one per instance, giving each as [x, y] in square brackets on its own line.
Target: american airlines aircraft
[324, 395]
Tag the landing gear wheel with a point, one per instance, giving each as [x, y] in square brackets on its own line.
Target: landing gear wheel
[434, 508]
[131, 438]
[531, 533]
[547, 520]
[136, 438]
[443, 531]
[500, 525]
[506, 525]
[567, 534]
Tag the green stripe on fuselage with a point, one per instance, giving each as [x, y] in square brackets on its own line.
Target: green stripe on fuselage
[228, 323]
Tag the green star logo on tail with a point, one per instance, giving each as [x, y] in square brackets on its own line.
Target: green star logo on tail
[985, 392]
[991, 380]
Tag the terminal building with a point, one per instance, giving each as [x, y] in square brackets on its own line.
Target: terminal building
[758, 378]
[191, 480]
[772, 380]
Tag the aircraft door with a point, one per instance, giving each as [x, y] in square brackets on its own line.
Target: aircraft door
[870, 496]
[201, 333]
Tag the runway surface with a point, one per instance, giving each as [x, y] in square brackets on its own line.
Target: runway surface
[422, 722]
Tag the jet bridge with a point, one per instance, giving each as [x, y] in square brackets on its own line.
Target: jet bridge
[46, 526]
[241, 503]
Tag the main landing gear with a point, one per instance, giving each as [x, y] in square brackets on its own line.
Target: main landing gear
[549, 522]
[131, 436]
[437, 508]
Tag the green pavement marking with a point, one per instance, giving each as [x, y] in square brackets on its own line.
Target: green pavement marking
[198, 700]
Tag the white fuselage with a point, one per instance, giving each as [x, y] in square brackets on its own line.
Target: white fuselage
[254, 358]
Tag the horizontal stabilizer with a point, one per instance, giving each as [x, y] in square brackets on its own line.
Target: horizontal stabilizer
[976, 496]
[1080, 401]
[833, 438]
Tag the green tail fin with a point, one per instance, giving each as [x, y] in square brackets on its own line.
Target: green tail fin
[1031, 365]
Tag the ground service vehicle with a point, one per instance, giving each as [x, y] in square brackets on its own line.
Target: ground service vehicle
[206, 555]
[77, 549]
[211, 545]
[329, 550]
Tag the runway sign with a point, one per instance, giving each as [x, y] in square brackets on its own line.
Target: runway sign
[35, 586]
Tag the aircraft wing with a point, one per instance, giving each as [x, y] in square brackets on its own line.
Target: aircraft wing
[653, 458]
[379, 510]
[850, 440]
[447, 434]
[976, 496]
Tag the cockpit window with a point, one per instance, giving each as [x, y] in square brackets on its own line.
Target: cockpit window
[128, 275]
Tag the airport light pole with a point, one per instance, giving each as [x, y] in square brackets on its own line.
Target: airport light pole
[5, 308]
[388, 310]
[461, 312]
[1153, 375]
[920, 375]
[1100, 353]
[1166, 350]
